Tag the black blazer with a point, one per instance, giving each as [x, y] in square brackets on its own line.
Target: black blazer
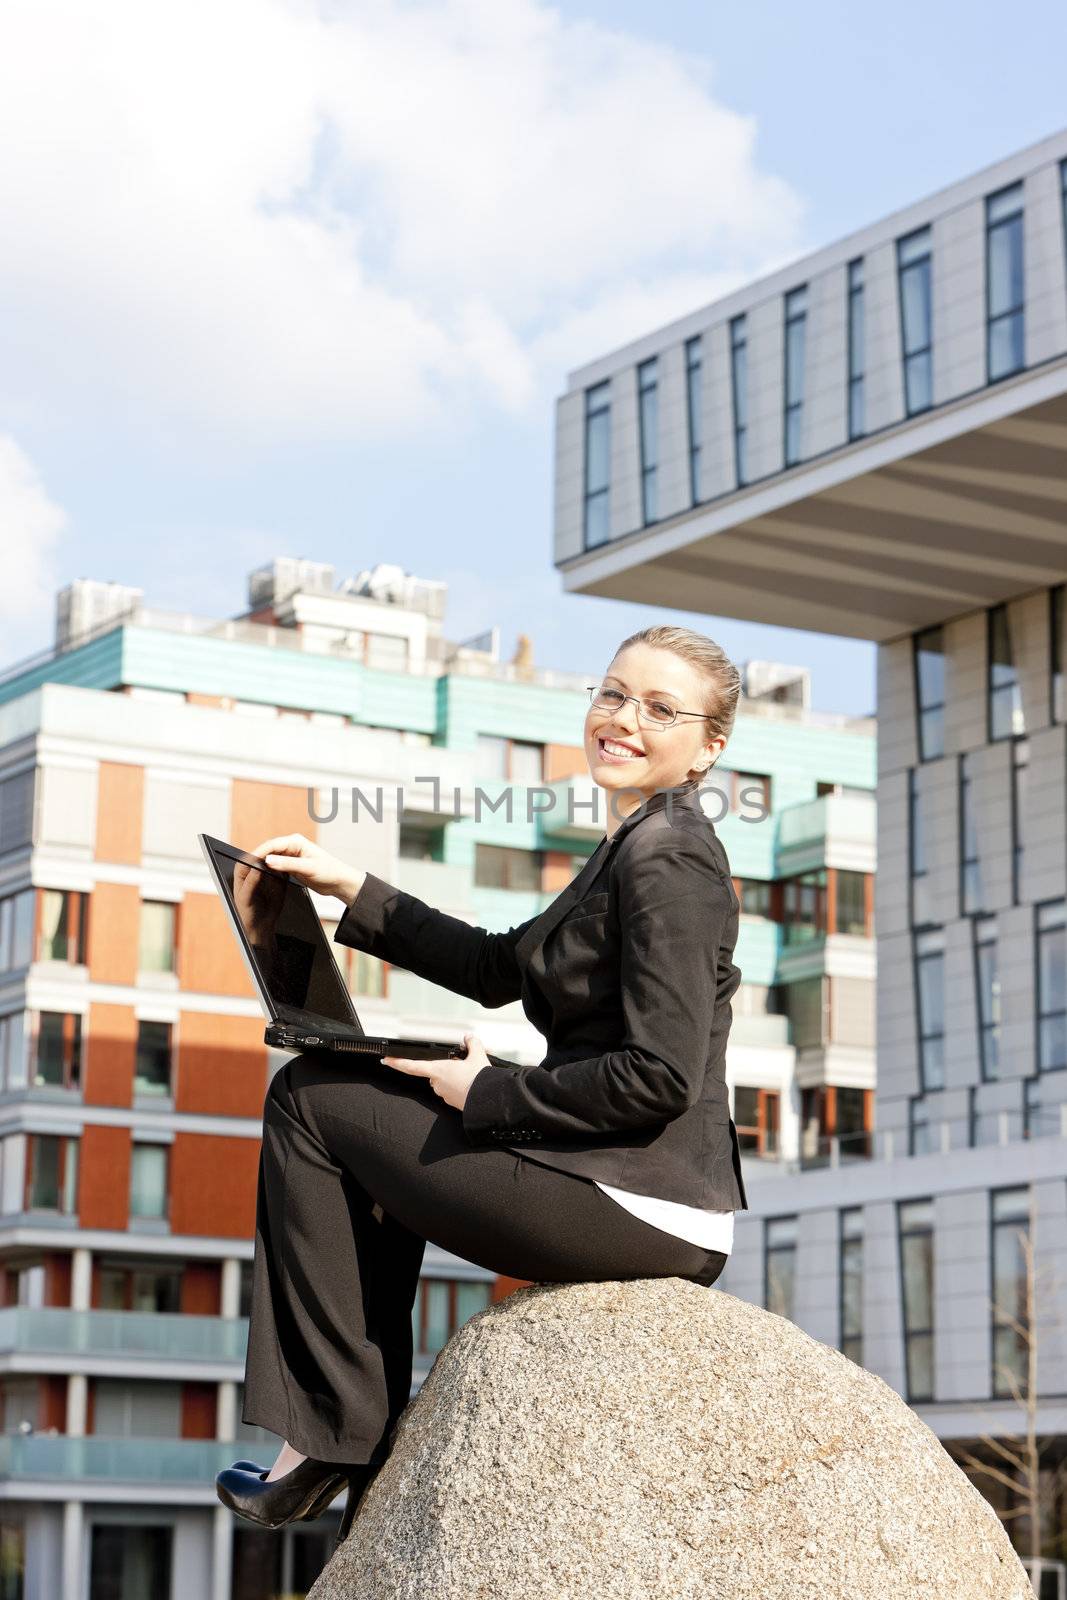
[629, 975]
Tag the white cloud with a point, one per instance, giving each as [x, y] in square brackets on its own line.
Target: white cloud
[30, 526]
[273, 220]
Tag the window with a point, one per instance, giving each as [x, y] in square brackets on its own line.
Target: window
[694, 372]
[806, 1004]
[1012, 1289]
[779, 1264]
[748, 792]
[1020, 770]
[856, 350]
[850, 1248]
[1040, 1120]
[51, 1173]
[922, 1133]
[851, 1116]
[58, 1054]
[754, 895]
[972, 897]
[756, 1120]
[804, 907]
[148, 1286]
[1005, 295]
[526, 762]
[922, 900]
[148, 1180]
[796, 316]
[597, 464]
[648, 419]
[368, 975]
[916, 319]
[16, 811]
[442, 1306]
[930, 1006]
[987, 988]
[16, 930]
[833, 1114]
[929, 662]
[152, 1066]
[1051, 996]
[850, 902]
[492, 755]
[13, 1050]
[915, 1222]
[415, 843]
[1004, 692]
[739, 388]
[63, 917]
[1055, 609]
[499, 867]
[156, 952]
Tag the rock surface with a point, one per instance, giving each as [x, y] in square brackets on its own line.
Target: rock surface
[651, 1439]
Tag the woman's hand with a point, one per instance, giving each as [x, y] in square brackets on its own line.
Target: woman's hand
[450, 1079]
[291, 852]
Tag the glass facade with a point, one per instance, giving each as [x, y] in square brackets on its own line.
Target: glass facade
[850, 1246]
[739, 391]
[857, 357]
[1051, 985]
[1003, 689]
[929, 666]
[930, 1006]
[915, 1223]
[1005, 289]
[987, 990]
[648, 420]
[779, 1265]
[1012, 1289]
[971, 889]
[796, 317]
[914, 277]
[596, 529]
[694, 400]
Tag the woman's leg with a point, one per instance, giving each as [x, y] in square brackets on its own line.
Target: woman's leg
[359, 1169]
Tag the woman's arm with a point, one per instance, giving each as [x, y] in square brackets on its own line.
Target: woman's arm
[675, 907]
[402, 929]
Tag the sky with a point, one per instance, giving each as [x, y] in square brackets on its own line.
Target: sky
[283, 278]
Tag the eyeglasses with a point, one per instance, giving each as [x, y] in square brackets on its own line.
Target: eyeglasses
[653, 713]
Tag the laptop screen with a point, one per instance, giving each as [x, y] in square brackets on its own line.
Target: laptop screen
[282, 936]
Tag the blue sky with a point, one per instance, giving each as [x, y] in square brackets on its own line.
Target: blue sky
[289, 279]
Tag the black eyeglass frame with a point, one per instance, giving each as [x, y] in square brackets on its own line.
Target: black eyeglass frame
[598, 688]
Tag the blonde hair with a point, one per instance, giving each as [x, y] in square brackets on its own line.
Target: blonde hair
[722, 678]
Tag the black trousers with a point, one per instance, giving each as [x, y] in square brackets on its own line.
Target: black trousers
[361, 1165]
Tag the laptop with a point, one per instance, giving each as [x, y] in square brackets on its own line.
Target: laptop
[292, 966]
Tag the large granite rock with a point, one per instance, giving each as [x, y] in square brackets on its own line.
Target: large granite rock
[654, 1440]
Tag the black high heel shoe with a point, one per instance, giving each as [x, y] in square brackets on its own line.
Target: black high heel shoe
[359, 1481]
[328, 1495]
[303, 1490]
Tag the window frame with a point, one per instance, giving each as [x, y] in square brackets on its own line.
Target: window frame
[912, 1333]
[739, 396]
[694, 397]
[793, 407]
[1014, 219]
[912, 357]
[647, 376]
[856, 312]
[595, 409]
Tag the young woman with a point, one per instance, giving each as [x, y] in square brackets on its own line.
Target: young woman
[614, 1157]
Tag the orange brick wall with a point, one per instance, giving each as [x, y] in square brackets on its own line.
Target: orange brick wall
[198, 1410]
[222, 1065]
[210, 960]
[104, 1177]
[110, 1055]
[201, 1288]
[564, 761]
[260, 811]
[119, 812]
[213, 1185]
[114, 933]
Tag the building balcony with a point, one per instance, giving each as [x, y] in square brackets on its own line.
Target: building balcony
[57, 1339]
[157, 1467]
[836, 830]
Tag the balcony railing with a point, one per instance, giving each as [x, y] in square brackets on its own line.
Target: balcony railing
[58, 1457]
[160, 1336]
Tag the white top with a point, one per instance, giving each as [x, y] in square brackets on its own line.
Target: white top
[712, 1229]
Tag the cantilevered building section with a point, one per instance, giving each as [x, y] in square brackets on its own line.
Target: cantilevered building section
[873, 443]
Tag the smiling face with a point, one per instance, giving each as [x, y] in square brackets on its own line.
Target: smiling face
[652, 758]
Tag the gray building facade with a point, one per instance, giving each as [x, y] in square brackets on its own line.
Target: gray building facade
[872, 442]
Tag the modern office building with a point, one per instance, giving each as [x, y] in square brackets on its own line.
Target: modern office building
[872, 442]
[132, 1062]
